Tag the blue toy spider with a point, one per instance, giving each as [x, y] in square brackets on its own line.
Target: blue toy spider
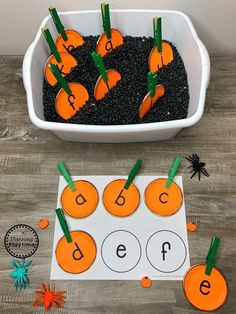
[20, 272]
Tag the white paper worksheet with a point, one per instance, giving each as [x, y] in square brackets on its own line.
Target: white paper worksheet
[128, 248]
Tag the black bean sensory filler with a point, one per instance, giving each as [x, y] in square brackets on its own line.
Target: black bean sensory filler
[121, 104]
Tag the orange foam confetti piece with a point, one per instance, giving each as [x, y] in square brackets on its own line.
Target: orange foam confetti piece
[43, 223]
[191, 226]
[146, 282]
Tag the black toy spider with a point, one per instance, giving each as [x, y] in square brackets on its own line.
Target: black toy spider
[197, 166]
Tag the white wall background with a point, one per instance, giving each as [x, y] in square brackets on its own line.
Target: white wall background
[214, 20]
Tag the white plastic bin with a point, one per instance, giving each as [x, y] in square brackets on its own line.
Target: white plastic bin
[177, 28]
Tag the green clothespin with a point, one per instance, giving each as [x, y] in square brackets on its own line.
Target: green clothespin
[133, 173]
[173, 171]
[63, 224]
[100, 65]
[152, 82]
[66, 175]
[211, 257]
[106, 19]
[51, 44]
[60, 27]
[157, 31]
[61, 80]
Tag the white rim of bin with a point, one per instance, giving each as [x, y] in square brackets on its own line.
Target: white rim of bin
[131, 128]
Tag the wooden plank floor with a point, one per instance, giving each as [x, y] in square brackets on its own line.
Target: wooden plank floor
[29, 182]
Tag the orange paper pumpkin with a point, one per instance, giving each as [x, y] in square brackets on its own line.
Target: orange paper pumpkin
[77, 256]
[74, 40]
[149, 101]
[205, 292]
[159, 59]
[65, 66]
[102, 87]
[67, 105]
[118, 201]
[161, 200]
[82, 202]
[105, 45]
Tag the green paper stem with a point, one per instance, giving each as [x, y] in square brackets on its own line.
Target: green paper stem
[173, 171]
[100, 65]
[152, 82]
[106, 19]
[51, 44]
[63, 224]
[59, 26]
[61, 80]
[157, 33]
[211, 257]
[66, 175]
[133, 173]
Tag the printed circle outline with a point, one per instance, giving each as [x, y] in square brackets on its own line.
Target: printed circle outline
[116, 271]
[166, 272]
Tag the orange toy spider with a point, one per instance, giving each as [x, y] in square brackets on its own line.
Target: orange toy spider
[49, 297]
